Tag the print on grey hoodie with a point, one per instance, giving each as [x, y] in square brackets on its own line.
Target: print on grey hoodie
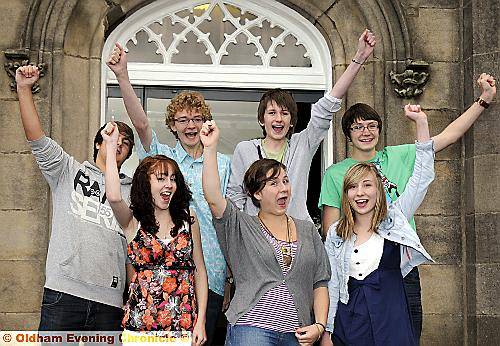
[87, 248]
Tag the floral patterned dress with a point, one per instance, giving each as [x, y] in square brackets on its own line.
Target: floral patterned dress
[161, 293]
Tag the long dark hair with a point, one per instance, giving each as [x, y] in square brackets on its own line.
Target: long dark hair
[142, 205]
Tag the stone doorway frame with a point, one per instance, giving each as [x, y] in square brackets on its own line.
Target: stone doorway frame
[217, 75]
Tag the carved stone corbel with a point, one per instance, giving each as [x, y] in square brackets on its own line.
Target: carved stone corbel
[20, 57]
[411, 82]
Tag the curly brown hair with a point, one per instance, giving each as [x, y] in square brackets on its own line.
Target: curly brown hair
[191, 101]
[142, 204]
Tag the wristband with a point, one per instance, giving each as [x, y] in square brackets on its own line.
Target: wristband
[320, 332]
[482, 103]
[322, 325]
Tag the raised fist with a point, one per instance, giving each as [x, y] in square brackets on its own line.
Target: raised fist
[209, 134]
[414, 112]
[26, 76]
[487, 84]
[366, 44]
[117, 61]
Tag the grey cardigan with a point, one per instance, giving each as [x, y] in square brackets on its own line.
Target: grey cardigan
[256, 269]
[298, 157]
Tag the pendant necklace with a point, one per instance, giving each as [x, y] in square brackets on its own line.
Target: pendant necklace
[286, 250]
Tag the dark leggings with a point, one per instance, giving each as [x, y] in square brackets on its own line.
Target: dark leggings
[412, 287]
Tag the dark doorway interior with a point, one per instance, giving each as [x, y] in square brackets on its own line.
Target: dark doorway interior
[304, 101]
[313, 190]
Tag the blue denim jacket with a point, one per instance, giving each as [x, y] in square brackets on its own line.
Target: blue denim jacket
[395, 227]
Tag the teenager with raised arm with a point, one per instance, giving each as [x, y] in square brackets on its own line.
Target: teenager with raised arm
[184, 117]
[85, 268]
[277, 116]
[362, 126]
[168, 281]
[372, 247]
[279, 265]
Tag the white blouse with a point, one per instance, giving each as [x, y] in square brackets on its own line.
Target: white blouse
[365, 258]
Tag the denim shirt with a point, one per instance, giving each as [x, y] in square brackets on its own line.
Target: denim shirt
[395, 227]
[192, 169]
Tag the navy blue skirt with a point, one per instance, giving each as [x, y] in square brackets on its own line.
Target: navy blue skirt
[377, 312]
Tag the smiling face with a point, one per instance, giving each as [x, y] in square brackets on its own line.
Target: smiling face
[358, 126]
[277, 114]
[363, 197]
[364, 135]
[277, 120]
[187, 126]
[123, 150]
[363, 194]
[185, 115]
[276, 193]
[163, 186]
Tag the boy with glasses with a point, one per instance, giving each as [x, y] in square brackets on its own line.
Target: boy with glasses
[362, 126]
[185, 116]
[277, 116]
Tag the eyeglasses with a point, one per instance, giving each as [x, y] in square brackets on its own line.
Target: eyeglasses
[372, 127]
[184, 121]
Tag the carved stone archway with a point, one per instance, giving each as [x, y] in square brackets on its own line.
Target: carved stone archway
[68, 36]
[66, 33]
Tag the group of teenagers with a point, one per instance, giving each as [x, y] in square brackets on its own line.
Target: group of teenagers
[191, 220]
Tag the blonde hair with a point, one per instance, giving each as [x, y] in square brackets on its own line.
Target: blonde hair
[345, 227]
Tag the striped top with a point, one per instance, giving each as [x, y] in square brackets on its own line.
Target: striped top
[276, 310]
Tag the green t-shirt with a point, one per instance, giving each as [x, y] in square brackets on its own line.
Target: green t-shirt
[395, 163]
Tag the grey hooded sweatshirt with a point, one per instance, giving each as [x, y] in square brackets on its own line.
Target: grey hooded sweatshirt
[87, 248]
[298, 157]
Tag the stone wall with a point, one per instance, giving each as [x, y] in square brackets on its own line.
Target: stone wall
[481, 53]
[458, 221]
[435, 35]
[24, 198]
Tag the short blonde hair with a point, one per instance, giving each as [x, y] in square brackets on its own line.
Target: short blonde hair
[345, 227]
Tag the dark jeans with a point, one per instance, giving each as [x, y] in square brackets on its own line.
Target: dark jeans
[64, 312]
[412, 287]
[214, 309]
